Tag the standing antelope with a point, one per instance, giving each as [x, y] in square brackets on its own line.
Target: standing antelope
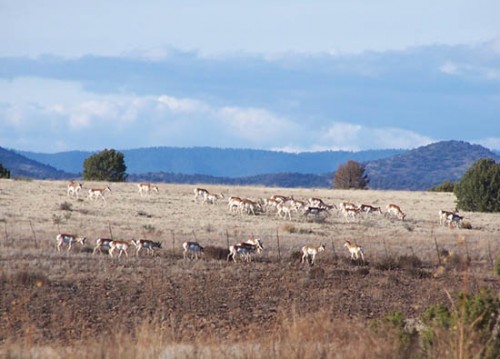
[147, 188]
[310, 253]
[68, 239]
[96, 193]
[355, 250]
[146, 244]
[395, 210]
[74, 189]
[192, 247]
[122, 247]
[245, 249]
[212, 198]
[200, 193]
[366, 208]
[101, 243]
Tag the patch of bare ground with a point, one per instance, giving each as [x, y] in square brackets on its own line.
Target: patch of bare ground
[59, 304]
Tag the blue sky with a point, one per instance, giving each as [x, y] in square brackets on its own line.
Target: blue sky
[283, 75]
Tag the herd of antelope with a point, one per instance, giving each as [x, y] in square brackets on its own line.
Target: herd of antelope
[282, 207]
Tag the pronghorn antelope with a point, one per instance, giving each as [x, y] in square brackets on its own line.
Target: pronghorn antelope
[454, 219]
[285, 209]
[319, 203]
[146, 244]
[96, 193]
[280, 198]
[200, 193]
[212, 198]
[310, 253]
[245, 249]
[443, 216]
[122, 247]
[101, 243]
[366, 208]
[68, 239]
[147, 188]
[270, 203]
[355, 250]
[343, 206]
[249, 206]
[74, 189]
[394, 210]
[351, 213]
[233, 203]
[315, 211]
[192, 247]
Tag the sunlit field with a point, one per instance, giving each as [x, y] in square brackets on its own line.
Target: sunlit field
[74, 303]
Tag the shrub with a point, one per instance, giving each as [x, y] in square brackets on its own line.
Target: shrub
[350, 175]
[107, 165]
[446, 186]
[4, 172]
[479, 188]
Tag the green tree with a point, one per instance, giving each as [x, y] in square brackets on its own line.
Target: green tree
[107, 165]
[351, 175]
[4, 172]
[479, 188]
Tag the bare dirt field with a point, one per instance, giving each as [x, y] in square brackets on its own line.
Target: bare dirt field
[52, 301]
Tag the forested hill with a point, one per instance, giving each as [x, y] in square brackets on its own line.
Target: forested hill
[426, 167]
[20, 166]
[218, 162]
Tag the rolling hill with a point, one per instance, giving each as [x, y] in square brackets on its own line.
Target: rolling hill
[418, 169]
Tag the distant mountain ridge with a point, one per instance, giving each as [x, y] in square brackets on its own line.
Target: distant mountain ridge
[426, 167]
[218, 162]
[418, 169]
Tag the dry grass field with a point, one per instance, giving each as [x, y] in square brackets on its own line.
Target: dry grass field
[76, 304]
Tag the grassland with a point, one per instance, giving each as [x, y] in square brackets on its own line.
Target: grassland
[82, 305]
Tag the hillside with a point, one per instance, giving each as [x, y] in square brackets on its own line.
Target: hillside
[218, 162]
[425, 167]
[20, 166]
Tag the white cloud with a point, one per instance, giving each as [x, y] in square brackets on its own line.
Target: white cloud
[492, 143]
[180, 104]
[448, 68]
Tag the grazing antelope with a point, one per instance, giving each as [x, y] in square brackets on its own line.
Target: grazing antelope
[96, 193]
[355, 250]
[234, 203]
[147, 188]
[249, 206]
[192, 247]
[394, 210]
[343, 206]
[285, 209]
[454, 219]
[271, 203]
[101, 243]
[319, 203]
[245, 249]
[351, 213]
[212, 198]
[443, 216]
[122, 247]
[315, 211]
[200, 193]
[310, 253]
[74, 189]
[68, 239]
[146, 244]
[366, 208]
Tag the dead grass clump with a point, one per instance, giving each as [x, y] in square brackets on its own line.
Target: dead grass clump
[66, 206]
[26, 278]
[217, 253]
[387, 263]
[409, 262]
[288, 228]
[466, 225]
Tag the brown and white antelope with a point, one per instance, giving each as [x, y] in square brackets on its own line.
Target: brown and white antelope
[343, 206]
[249, 206]
[147, 189]
[245, 249]
[285, 208]
[234, 203]
[443, 216]
[192, 247]
[148, 245]
[367, 208]
[280, 198]
[101, 243]
[355, 250]
[122, 247]
[395, 210]
[309, 253]
[74, 189]
[454, 219]
[68, 239]
[351, 213]
[319, 203]
[96, 193]
[200, 193]
[212, 198]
